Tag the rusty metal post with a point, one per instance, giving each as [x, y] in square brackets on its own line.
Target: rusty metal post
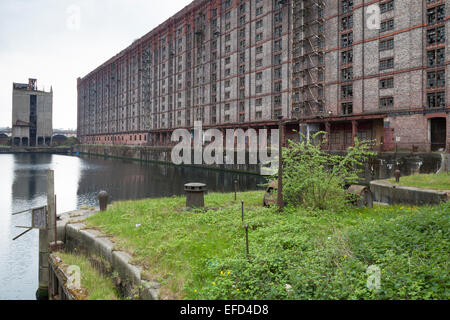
[280, 165]
[103, 200]
[55, 225]
[246, 239]
[242, 211]
[397, 175]
[354, 131]
[328, 134]
[235, 189]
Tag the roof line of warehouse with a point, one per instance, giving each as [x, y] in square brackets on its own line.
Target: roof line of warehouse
[170, 21]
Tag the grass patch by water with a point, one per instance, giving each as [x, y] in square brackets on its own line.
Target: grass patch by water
[98, 286]
[439, 181]
[298, 254]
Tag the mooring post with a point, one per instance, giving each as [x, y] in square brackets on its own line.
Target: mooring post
[397, 175]
[103, 197]
[195, 195]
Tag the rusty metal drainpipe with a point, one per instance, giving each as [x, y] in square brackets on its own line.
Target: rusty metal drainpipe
[280, 165]
[246, 242]
[56, 225]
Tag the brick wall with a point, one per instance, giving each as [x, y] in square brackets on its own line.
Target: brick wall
[167, 79]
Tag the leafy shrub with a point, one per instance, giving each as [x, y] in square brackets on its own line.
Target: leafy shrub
[302, 253]
[317, 178]
[412, 252]
[292, 262]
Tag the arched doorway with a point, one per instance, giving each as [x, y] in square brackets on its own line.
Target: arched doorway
[438, 129]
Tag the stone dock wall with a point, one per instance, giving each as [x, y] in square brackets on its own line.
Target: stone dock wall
[160, 155]
[382, 166]
[36, 150]
[385, 192]
[99, 248]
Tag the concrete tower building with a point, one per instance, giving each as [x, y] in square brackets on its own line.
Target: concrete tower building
[32, 115]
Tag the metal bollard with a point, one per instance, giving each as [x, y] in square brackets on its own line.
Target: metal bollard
[397, 175]
[103, 200]
[195, 195]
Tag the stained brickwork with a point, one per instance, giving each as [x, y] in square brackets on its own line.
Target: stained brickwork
[242, 63]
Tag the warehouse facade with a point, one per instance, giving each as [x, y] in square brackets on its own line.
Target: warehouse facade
[243, 63]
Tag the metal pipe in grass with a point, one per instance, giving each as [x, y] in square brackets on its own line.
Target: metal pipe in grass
[246, 239]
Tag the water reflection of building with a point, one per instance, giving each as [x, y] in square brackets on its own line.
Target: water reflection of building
[22, 187]
[125, 180]
[28, 181]
[3, 139]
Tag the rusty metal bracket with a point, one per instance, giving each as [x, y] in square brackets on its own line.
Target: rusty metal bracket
[38, 220]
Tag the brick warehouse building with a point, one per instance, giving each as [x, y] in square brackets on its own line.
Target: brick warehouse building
[242, 63]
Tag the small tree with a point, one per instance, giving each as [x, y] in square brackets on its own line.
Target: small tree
[71, 141]
[317, 178]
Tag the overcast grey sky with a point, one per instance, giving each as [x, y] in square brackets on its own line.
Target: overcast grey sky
[42, 39]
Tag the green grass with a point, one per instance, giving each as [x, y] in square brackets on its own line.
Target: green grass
[427, 181]
[98, 286]
[298, 254]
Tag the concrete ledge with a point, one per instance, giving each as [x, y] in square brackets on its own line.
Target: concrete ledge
[93, 242]
[73, 230]
[104, 248]
[150, 290]
[386, 192]
[72, 217]
[127, 271]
